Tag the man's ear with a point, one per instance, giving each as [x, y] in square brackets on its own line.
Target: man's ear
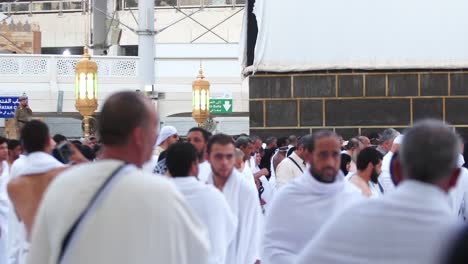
[137, 136]
[454, 178]
[397, 174]
[451, 181]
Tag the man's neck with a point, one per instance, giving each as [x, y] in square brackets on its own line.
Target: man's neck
[320, 179]
[164, 146]
[123, 154]
[363, 176]
[201, 158]
[220, 182]
[295, 152]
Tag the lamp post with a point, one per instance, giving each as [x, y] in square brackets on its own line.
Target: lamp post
[86, 89]
[200, 99]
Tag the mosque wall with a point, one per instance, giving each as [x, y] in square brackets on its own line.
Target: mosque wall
[356, 102]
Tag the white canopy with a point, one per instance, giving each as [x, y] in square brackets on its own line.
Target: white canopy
[306, 35]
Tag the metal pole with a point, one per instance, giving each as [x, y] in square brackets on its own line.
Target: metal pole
[146, 47]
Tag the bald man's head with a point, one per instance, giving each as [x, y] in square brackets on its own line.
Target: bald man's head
[121, 114]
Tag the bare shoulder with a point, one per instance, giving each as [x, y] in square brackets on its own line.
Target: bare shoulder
[14, 186]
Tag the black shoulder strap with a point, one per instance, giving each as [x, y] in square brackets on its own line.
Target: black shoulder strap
[296, 164]
[69, 234]
[381, 188]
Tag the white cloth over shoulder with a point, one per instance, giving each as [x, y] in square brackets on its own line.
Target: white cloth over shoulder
[163, 228]
[289, 168]
[39, 162]
[248, 174]
[149, 166]
[17, 166]
[268, 192]
[386, 161]
[458, 196]
[245, 204]
[5, 208]
[210, 206]
[297, 213]
[16, 245]
[385, 179]
[34, 163]
[204, 171]
[411, 225]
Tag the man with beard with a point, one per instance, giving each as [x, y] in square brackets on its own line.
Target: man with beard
[241, 197]
[110, 211]
[300, 209]
[198, 137]
[293, 166]
[412, 225]
[369, 167]
[182, 164]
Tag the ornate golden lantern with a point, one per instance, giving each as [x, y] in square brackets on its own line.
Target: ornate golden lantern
[86, 89]
[200, 98]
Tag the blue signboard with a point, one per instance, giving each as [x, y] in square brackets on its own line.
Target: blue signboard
[8, 106]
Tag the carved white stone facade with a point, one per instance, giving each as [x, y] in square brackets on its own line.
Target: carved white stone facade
[43, 77]
[180, 48]
[18, 65]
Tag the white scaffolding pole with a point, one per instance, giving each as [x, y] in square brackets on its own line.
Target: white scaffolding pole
[146, 46]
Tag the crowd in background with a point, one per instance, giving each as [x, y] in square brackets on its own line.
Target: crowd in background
[138, 194]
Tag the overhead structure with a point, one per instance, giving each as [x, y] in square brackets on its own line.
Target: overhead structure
[310, 35]
[146, 47]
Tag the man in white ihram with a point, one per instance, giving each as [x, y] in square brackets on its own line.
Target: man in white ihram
[412, 225]
[241, 197]
[198, 137]
[303, 206]
[293, 166]
[207, 202]
[111, 211]
[27, 188]
[4, 203]
[384, 178]
[459, 194]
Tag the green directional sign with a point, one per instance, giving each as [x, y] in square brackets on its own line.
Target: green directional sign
[220, 106]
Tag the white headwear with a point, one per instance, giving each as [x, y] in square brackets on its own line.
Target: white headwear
[165, 133]
[398, 139]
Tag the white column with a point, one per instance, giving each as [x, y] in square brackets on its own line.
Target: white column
[146, 47]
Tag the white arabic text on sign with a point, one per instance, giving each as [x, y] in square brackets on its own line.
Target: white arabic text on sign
[220, 106]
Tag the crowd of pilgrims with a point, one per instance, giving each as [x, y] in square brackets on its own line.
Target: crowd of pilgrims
[139, 194]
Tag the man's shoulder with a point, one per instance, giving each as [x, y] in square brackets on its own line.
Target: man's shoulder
[291, 193]
[243, 184]
[213, 195]
[210, 190]
[102, 169]
[39, 177]
[285, 162]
